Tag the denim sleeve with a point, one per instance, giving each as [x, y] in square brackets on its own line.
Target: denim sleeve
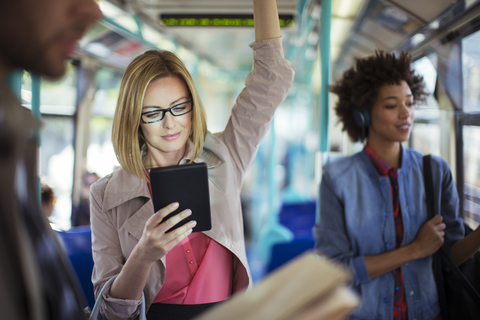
[330, 231]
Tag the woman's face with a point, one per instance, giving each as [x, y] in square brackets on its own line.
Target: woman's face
[166, 139]
[392, 114]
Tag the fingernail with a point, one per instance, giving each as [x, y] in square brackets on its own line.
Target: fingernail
[188, 212]
[189, 231]
[175, 204]
[193, 223]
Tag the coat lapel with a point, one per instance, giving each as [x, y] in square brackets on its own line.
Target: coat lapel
[127, 193]
[136, 223]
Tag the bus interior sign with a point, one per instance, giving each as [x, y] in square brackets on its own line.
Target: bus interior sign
[217, 20]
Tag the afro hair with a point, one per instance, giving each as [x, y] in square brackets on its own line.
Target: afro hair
[360, 84]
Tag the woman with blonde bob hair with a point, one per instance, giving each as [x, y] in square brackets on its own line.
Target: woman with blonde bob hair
[144, 69]
[160, 121]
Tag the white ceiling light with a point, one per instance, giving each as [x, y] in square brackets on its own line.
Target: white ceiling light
[156, 38]
[416, 39]
[346, 8]
[340, 30]
[344, 13]
[118, 16]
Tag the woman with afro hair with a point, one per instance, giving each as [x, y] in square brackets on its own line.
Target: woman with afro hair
[372, 212]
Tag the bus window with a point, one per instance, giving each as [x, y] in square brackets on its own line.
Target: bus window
[426, 131]
[471, 132]
[101, 158]
[471, 141]
[57, 105]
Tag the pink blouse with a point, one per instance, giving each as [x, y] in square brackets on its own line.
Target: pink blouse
[199, 270]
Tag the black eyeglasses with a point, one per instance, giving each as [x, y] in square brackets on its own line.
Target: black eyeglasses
[176, 110]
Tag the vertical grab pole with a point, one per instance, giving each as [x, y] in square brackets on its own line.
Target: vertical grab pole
[325, 26]
[37, 114]
[272, 189]
[325, 67]
[14, 82]
[272, 232]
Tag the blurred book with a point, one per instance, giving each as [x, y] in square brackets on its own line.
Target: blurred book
[309, 287]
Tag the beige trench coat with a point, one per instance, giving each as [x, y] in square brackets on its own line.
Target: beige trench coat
[121, 204]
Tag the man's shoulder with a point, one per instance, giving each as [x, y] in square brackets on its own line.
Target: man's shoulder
[14, 118]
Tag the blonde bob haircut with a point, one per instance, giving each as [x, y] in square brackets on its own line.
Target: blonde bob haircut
[127, 137]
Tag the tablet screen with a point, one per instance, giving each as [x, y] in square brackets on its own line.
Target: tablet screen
[187, 185]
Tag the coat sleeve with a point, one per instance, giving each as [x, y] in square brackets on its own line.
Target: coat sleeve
[266, 87]
[107, 257]
[330, 231]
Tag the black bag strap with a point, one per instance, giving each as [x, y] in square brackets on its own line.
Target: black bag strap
[428, 181]
[436, 259]
[441, 256]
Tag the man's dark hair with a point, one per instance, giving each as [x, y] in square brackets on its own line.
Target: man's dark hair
[47, 193]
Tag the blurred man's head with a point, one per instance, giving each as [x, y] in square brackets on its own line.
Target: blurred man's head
[39, 35]
[48, 199]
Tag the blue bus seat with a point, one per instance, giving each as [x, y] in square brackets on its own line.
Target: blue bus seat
[78, 246]
[299, 218]
[284, 252]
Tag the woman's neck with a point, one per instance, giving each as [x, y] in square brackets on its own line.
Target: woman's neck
[388, 152]
[156, 159]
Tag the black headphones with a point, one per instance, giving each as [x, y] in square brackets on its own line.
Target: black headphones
[361, 118]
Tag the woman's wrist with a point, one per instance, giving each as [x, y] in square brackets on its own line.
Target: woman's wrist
[139, 256]
[132, 278]
[414, 251]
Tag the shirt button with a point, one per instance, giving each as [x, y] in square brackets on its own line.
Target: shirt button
[401, 176]
[388, 244]
[385, 300]
[382, 183]
[409, 236]
[412, 293]
[188, 251]
[385, 214]
[406, 207]
[396, 288]
[191, 261]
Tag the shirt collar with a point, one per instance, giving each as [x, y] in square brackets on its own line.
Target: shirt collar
[382, 168]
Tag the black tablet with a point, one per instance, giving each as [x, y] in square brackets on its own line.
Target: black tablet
[187, 185]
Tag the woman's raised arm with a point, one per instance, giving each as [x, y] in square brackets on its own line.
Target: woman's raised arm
[265, 15]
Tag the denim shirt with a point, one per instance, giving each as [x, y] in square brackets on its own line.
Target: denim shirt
[356, 220]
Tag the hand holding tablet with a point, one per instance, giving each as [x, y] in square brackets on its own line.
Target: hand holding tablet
[187, 185]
